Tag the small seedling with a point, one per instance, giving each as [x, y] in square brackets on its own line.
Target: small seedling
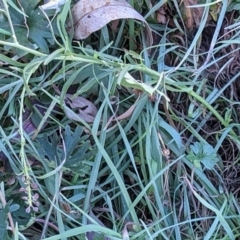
[203, 154]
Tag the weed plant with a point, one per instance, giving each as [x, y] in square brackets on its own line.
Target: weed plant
[159, 173]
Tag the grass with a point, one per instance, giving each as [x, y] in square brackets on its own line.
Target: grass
[167, 169]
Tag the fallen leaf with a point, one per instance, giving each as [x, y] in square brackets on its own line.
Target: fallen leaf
[192, 16]
[162, 15]
[86, 110]
[123, 116]
[128, 113]
[90, 15]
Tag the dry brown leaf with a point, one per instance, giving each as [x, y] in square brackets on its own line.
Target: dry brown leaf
[192, 16]
[161, 15]
[86, 110]
[91, 15]
[114, 25]
[126, 114]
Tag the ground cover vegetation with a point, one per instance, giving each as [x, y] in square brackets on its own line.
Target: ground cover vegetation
[116, 131]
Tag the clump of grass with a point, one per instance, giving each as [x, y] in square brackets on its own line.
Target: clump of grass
[154, 174]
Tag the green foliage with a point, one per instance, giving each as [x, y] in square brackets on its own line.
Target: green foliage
[234, 5]
[30, 27]
[3, 224]
[203, 153]
[76, 151]
[137, 177]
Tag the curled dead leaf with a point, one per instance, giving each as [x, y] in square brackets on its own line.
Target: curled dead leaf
[124, 115]
[161, 15]
[192, 16]
[86, 110]
[91, 15]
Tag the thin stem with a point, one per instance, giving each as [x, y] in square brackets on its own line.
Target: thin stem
[19, 46]
[23, 158]
[210, 108]
[10, 22]
[2, 198]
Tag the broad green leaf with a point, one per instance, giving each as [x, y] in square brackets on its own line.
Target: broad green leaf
[3, 224]
[71, 139]
[48, 148]
[203, 153]
[31, 29]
